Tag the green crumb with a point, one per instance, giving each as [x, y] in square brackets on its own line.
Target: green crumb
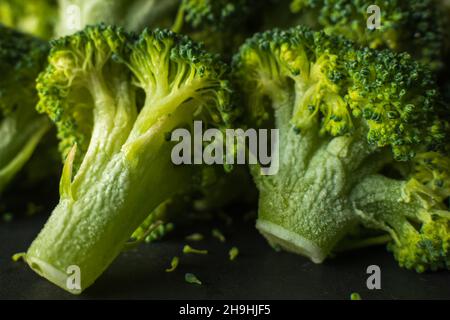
[192, 278]
[355, 296]
[7, 217]
[233, 253]
[216, 233]
[173, 264]
[188, 249]
[18, 256]
[159, 232]
[195, 237]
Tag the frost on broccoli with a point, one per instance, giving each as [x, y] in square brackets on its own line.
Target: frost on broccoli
[414, 26]
[115, 98]
[22, 57]
[37, 17]
[344, 115]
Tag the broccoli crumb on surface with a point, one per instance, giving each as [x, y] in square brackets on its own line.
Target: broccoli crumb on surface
[216, 233]
[355, 296]
[173, 264]
[195, 237]
[192, 278]
[233, 253]
[7, 217]
[18, 256]
[187, 249]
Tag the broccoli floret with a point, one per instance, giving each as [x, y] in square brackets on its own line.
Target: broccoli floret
[36, 17]
[343, 115]
[414, 26]
[414, 217]
[133, 15]
[162, 217]
[22, 57]
[222, 25]
[217, 15]
[118, 166]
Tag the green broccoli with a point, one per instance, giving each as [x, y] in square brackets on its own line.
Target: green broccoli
[37, 17]
[344, 116]
[413, 26]
[355, 296]
[222, 25]
[115, 98]
[22, 57]
[133, 15]
[161, 217]
[414, 212]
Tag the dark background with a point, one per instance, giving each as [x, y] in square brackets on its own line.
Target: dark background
[258, 273]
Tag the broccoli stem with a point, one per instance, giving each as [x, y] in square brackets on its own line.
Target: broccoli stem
[110, 197]
[91, 230]
[356, 244]
[305, 208]
[383, 204]
[179, 20]
[20, 134]
[417, 225]
[295, 205]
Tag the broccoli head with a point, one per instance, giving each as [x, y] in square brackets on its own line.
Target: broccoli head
[344, 115]
[415, 26]
[115, 98]
[22, 57]
[35, 17]
[222, 25]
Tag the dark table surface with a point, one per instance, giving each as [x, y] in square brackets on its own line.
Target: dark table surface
[258, 273]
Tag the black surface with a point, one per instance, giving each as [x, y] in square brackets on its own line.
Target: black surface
[258, 272]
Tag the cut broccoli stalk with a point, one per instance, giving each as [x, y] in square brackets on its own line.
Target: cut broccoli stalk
[123, 169]
[294, 205]
[343, 115]
[91, 228]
